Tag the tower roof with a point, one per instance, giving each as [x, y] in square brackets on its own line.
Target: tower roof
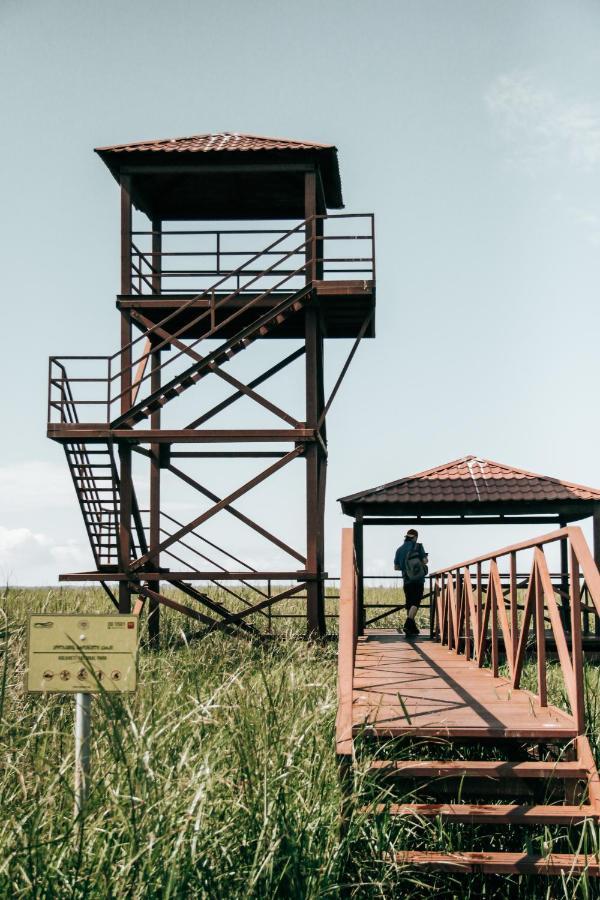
[470, 483]
[224, 175]
[208, 143]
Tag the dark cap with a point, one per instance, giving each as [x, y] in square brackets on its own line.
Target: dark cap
[412, 532]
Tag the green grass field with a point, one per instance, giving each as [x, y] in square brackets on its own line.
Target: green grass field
[217, 779]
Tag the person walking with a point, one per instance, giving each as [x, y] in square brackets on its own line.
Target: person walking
[411, 559]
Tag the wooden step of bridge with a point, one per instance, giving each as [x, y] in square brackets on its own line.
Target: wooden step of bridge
[501, 863]
[493, 769]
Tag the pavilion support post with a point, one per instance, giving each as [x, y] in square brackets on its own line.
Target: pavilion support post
[360, 583]
[125, 524]
[315, 456]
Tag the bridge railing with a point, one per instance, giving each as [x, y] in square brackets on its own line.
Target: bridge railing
[475, 616]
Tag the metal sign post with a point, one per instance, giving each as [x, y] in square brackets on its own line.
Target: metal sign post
[82, 655]
[83, 721]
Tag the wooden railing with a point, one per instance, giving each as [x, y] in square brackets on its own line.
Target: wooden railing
[348, 633]
[474, 615]
[96, 388]
[187, 261]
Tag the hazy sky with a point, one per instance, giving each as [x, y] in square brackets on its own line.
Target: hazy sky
[471, 129]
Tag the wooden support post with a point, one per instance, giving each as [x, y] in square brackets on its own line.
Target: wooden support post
[315, 460]
[564, 580]
[576, 651]
[125, 524]
[540, 638]
[596, 521]
[360, 590]
[514, 614]
[156, 256]
[155, 471]
[310, 210]
[125, 381]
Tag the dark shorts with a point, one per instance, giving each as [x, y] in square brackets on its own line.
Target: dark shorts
[413, 593]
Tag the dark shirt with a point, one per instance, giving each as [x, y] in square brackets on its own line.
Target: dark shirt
[401, 552]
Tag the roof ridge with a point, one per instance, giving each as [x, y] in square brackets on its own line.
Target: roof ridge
[217, 135]
[484, 464]
[398, 481]
[550, 478]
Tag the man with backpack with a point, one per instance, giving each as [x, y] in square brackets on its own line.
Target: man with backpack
[411, 560]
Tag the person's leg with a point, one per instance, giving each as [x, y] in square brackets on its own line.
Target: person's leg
[413, 593]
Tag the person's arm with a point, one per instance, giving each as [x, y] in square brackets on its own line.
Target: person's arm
[398, 560]
[424, 554]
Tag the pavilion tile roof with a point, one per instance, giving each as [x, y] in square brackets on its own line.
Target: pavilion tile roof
[209, 143]
[472, 479]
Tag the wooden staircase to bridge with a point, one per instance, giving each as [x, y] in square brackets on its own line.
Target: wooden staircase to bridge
[444, 731]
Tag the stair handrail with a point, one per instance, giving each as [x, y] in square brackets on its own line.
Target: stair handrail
[173, 337]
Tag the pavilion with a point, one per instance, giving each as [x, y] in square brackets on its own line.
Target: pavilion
[472, 491]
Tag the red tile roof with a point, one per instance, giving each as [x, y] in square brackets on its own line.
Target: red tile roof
[199, 149]
[472, 479]
[205, 143]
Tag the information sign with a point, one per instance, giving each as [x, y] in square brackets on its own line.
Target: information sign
[70, 654]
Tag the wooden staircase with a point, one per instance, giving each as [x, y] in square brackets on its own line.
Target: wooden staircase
[445, 736]
[204, 365]
[93, 468]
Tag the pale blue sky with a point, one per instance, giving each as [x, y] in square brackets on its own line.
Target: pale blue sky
[471, 129]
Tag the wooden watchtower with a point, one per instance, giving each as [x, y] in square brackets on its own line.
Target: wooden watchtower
[226, 242]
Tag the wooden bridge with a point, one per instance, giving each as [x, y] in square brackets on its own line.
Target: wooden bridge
[445, 717]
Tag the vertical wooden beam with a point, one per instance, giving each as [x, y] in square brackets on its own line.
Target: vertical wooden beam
[576, 648]
[156, 256]
[540, 637]
[310, 210]
[315, 474]
[564, 579]
[360, 591]
[125, 381]
[319, 248]
[596, 521]
[514, 613]
[478, 606]
[155, 536]
[346, 647]
[494, 600]
[125, 524]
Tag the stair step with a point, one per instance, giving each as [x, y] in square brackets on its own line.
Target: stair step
[471, 769]
[487, 813]
[502, 863]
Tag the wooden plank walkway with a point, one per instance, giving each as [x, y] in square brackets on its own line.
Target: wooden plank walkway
[421, 688]
[532, 760]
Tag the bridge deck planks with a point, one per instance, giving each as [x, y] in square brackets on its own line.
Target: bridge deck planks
[442, 695]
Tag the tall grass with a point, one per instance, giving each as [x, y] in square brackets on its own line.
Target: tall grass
[217, 779]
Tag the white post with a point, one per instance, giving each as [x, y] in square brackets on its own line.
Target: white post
[83, 706]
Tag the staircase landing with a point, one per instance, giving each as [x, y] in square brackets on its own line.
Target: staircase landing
[343, 307]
